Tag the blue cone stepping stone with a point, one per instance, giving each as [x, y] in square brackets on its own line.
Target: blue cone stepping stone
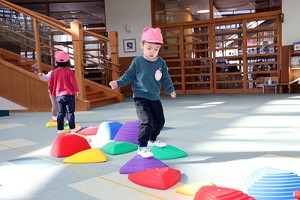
[139, 163]
[128, 132]
[115, 148]
[272, 184]
[158, 178]
[108, 130]
[220, 193]
[168, 152]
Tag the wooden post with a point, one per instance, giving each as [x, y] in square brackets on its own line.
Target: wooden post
[37, 45]
[77, 40]
[114, 50]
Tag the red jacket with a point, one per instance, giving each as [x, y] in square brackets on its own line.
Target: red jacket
[62, 81]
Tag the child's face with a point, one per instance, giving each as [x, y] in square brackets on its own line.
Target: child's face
[150, 50]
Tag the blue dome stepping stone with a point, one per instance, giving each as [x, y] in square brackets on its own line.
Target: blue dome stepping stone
[115, 148]
[220, 193]
[128, 132]
[139, 163]
[158, 178]
[272, 184]
[168, 152]
[108, 130]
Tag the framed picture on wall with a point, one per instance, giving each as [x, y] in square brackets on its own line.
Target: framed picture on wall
[129, 45]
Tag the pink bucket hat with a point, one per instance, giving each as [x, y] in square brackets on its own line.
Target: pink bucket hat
[61, 56]
[152, 35]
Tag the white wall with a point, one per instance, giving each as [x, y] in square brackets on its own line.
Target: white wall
[135, 13]
[291, 24]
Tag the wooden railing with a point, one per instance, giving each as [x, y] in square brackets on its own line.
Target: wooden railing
[35, 38]
[39, 37]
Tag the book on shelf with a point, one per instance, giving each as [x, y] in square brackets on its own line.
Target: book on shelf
[296, 81]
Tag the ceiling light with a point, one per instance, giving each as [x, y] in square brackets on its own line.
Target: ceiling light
[202, 11]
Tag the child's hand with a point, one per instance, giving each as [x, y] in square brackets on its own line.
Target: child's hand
[173, 94]
[113, 84]
[40, 74]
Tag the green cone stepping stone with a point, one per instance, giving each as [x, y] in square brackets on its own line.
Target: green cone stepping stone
[114, 148]
[168, 152]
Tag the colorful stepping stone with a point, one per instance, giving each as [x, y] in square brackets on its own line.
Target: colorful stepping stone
[115, 148]
[53, 123]
[128, 132]
[83, 136]
[158, 178]
[139, 163]
[297, 194]
[67, 126]
[168, 152]
[191, 189]
[68, 144]
[93, 155]
[272, 183]
[92, 130]
[108, 130]
[220, 193]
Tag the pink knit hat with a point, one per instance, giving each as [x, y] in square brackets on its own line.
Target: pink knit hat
[61, 56]
[152, 35]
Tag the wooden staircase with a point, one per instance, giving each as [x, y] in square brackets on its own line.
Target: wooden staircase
[96, 94]
[34, 38]
[98, 98]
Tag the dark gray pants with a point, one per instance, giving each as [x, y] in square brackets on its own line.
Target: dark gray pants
[66, 104]
[151, 118]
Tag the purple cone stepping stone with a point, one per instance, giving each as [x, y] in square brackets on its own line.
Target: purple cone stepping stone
[108, 130]
[128, 132]
[139, 163]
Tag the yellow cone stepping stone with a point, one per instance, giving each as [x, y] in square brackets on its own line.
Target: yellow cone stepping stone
[93, 155]
[192, 189]
[68, 128]
[53, 123]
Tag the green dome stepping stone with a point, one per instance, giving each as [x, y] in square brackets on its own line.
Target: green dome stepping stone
[168, 152]
[114, 148]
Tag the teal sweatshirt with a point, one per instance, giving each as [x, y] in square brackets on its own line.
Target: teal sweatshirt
[141, 74]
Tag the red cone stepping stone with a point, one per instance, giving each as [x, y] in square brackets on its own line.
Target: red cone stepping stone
[220, 193]
[297, 194]
[128, 132]
[158, 178]
[92, 130]
[68, 144]
[139, 163]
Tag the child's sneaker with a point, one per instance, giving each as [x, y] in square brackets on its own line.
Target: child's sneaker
[144, 152]
[76, 129]
[54, 118]
[156, 143]
[59, 132]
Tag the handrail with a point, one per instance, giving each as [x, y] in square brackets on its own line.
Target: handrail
[47, 46]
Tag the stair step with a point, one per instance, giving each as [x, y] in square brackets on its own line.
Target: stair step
[90, 95]
[94, 92]
[103, 101]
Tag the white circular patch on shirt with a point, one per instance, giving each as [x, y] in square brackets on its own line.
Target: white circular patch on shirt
[158, 75]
